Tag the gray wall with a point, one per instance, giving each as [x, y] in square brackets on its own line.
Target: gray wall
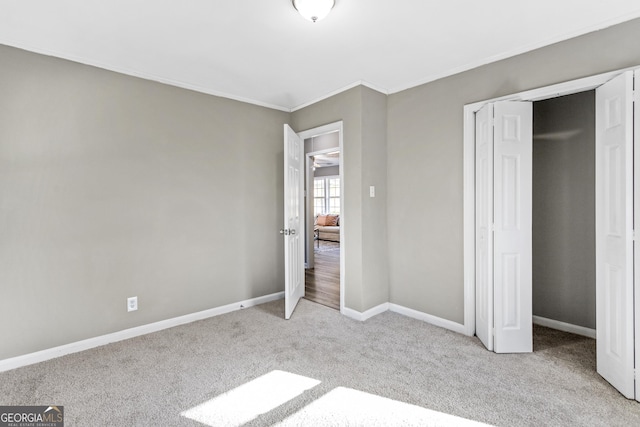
[564, 252]
[375, 254]
[363, 112]
[321, 142]
[425, 134]
[113, 186]
[327, 171]
[345, 106]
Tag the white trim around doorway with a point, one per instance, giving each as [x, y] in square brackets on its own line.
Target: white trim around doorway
[547, 92]
[321, 130]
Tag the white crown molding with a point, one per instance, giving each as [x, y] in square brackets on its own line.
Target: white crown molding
[52, 353]
[177, 83]
[140, 74]
[339, 91]
[519, 51]
[374, 87]
[378, 88]
[180, 84]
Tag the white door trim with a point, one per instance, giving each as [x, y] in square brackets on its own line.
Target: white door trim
[484, 225]
[321, 130]
[636, 213]
[560, 89]
[308, 207]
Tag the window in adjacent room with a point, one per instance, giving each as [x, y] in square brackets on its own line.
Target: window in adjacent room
[326, 195]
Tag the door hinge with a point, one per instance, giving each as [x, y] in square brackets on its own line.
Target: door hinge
[492, 227]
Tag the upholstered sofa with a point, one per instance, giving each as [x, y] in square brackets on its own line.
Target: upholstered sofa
[328, 227]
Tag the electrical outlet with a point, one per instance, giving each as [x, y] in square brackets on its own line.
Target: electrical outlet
[132, 304]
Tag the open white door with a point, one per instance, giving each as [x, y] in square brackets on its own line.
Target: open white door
[484, 224]
[614, 233]
[513, 177]
[293, 221]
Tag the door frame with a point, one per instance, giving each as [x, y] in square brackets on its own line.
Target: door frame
[469, 254]
[636, 219]
[469, 182]
[317, 131]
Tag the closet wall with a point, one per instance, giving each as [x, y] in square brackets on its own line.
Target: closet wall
[564, 209]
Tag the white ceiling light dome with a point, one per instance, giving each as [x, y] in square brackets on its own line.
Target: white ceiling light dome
[314, 10]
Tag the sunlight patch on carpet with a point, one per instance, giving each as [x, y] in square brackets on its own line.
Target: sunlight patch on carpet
[246, 402]
[348, 407]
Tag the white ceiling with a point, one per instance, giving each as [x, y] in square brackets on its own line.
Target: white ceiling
[327, 160]
[262, 51]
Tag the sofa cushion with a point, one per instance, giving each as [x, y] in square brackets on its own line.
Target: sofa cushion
[332, 220]
[322, 220]
[327, 220]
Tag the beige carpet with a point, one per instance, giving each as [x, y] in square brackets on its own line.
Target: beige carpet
[253, 368]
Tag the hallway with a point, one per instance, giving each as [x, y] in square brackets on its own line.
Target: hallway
[322, 283]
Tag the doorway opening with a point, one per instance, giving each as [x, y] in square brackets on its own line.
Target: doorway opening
[324, 254]
[614, 218]
[563, 227]
[322, 211]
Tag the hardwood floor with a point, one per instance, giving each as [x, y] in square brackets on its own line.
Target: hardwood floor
[322, 283]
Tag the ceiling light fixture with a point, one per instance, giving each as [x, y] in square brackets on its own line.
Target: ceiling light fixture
[313, 10]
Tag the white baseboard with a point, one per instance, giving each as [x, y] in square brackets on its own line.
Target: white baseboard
[428, 318]
[356, 315]
[565, 327]
[52, 353]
